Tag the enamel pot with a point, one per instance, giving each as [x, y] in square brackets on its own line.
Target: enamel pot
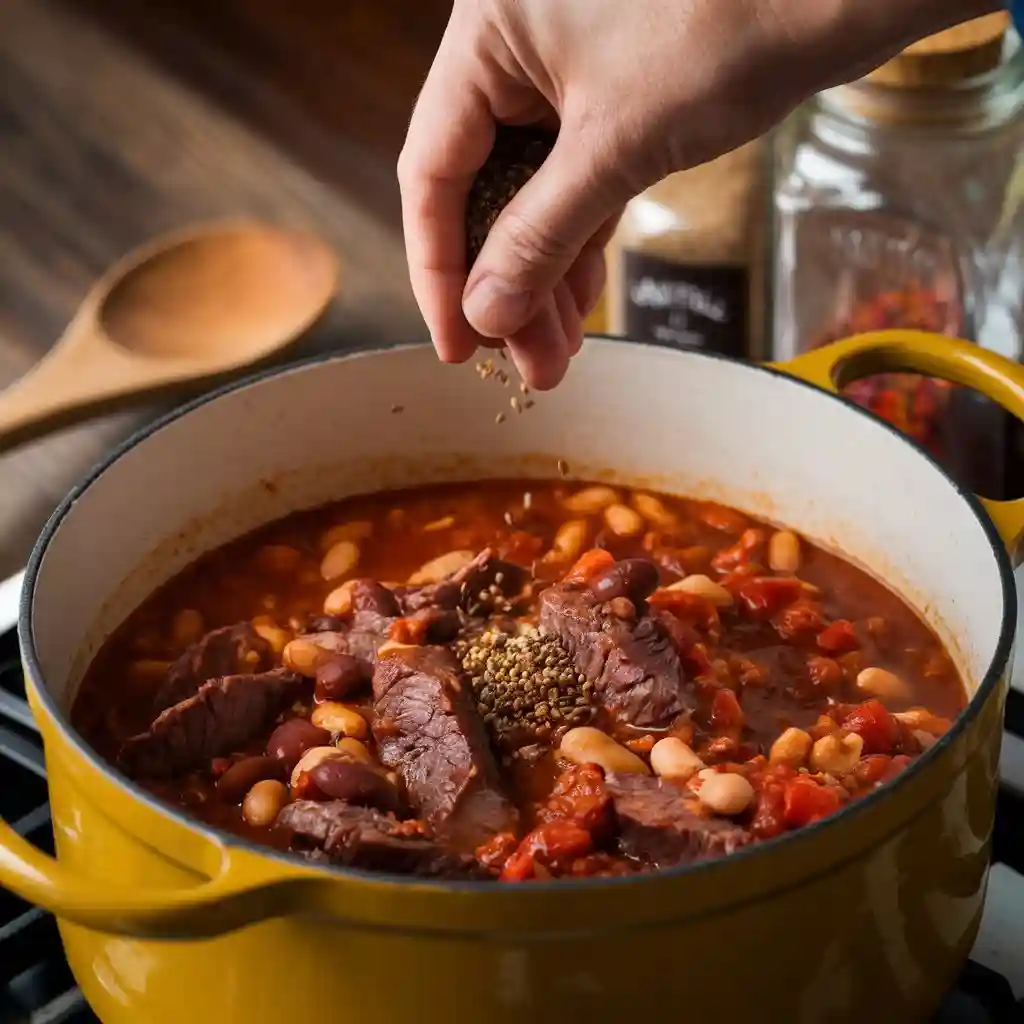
[868, 915]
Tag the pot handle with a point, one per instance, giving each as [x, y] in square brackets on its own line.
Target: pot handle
[833, 366]
[243, 890]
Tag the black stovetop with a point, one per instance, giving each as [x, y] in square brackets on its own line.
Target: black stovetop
[36, 986]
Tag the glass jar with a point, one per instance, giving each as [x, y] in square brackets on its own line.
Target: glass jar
[685, 266]
[898, 203]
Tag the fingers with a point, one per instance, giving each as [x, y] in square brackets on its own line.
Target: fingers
[538, 237]
[449, 138]
[540, 349]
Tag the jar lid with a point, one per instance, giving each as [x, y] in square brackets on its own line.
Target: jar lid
[955, 55]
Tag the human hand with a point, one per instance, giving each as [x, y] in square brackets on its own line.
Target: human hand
[635, 93]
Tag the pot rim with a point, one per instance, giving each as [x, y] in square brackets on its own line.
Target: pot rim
[224, 838]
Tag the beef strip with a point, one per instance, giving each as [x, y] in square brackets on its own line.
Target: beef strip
[627, 653]
[374, 609]
[428, 729]
[482, 586]
[231, 650]
[662, 826]
[222, 717]
[362, 837]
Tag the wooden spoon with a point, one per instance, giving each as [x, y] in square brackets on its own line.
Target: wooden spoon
[191, 305]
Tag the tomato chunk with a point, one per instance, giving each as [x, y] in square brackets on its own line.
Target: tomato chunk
[770, 816]
[553, 845]
[588, 565]
[879, 730]
[838, 638]
[800, 619]
[726, 712]
[807, 801]
[721, 517]
[740, 553]
[687, 607]
[763, 596]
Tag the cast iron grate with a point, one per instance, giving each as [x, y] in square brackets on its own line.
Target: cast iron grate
[36, 986]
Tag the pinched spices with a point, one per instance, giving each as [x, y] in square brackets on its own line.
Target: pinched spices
[525, 686]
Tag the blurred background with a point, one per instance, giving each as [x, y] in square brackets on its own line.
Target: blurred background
[893, 201]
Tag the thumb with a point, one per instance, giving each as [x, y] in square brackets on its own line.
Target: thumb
[539, 235]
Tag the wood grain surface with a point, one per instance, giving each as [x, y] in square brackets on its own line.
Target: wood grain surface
[103, 147]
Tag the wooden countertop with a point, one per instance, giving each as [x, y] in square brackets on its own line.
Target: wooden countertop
[104, 146]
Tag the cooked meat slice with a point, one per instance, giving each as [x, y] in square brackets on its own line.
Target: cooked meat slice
[427, 728]
[662, 826]
[482, 586]
[231, 650]
[627, 653]
[374, 611]
[220, 719]
[362, 837]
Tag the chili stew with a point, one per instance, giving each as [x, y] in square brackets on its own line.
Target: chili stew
[517, 680]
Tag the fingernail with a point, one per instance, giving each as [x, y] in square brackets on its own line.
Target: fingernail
[494, 308]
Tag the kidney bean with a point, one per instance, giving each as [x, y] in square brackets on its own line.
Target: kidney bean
[634, 578]
[291, 739]
[356, 783]
[339, 678]
[244, 774]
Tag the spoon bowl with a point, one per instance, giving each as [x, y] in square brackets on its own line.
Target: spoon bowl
[188, 306]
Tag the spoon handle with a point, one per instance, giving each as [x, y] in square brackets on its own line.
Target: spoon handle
[81, 377]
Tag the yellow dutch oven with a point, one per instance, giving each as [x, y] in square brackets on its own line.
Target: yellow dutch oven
[868, 915]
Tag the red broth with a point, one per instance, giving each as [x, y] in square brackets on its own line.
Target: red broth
[701, 681]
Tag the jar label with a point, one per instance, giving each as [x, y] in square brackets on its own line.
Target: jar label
[684, 304]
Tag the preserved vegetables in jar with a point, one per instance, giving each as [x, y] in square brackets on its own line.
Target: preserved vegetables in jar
[896, 206]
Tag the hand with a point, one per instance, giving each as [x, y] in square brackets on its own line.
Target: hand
[636, 91]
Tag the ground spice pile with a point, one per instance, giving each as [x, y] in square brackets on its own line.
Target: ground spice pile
[525, 686]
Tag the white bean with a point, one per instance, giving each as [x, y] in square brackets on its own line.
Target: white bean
[305, 657]
[703, 586]
[570, 538]
[311, 758]
[926, 739]
[336, 717]
[390, 646]
[352, 749]
[444, 565]
[671, 758]
[277, 637]
[339, 600]
[654, 510]
[837, 755]
[444, 523]
[784, 552]
[591, 499]
[791, 748]
[340, 560]
[357, 530]
[879, 682]
[187, 626]
[624, 521]
[586, 745]
[263, 803]
[726, 793]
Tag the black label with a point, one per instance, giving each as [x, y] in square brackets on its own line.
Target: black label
[681, 304]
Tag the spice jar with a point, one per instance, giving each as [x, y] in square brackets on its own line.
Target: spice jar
[684, 266]
[895, 207]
